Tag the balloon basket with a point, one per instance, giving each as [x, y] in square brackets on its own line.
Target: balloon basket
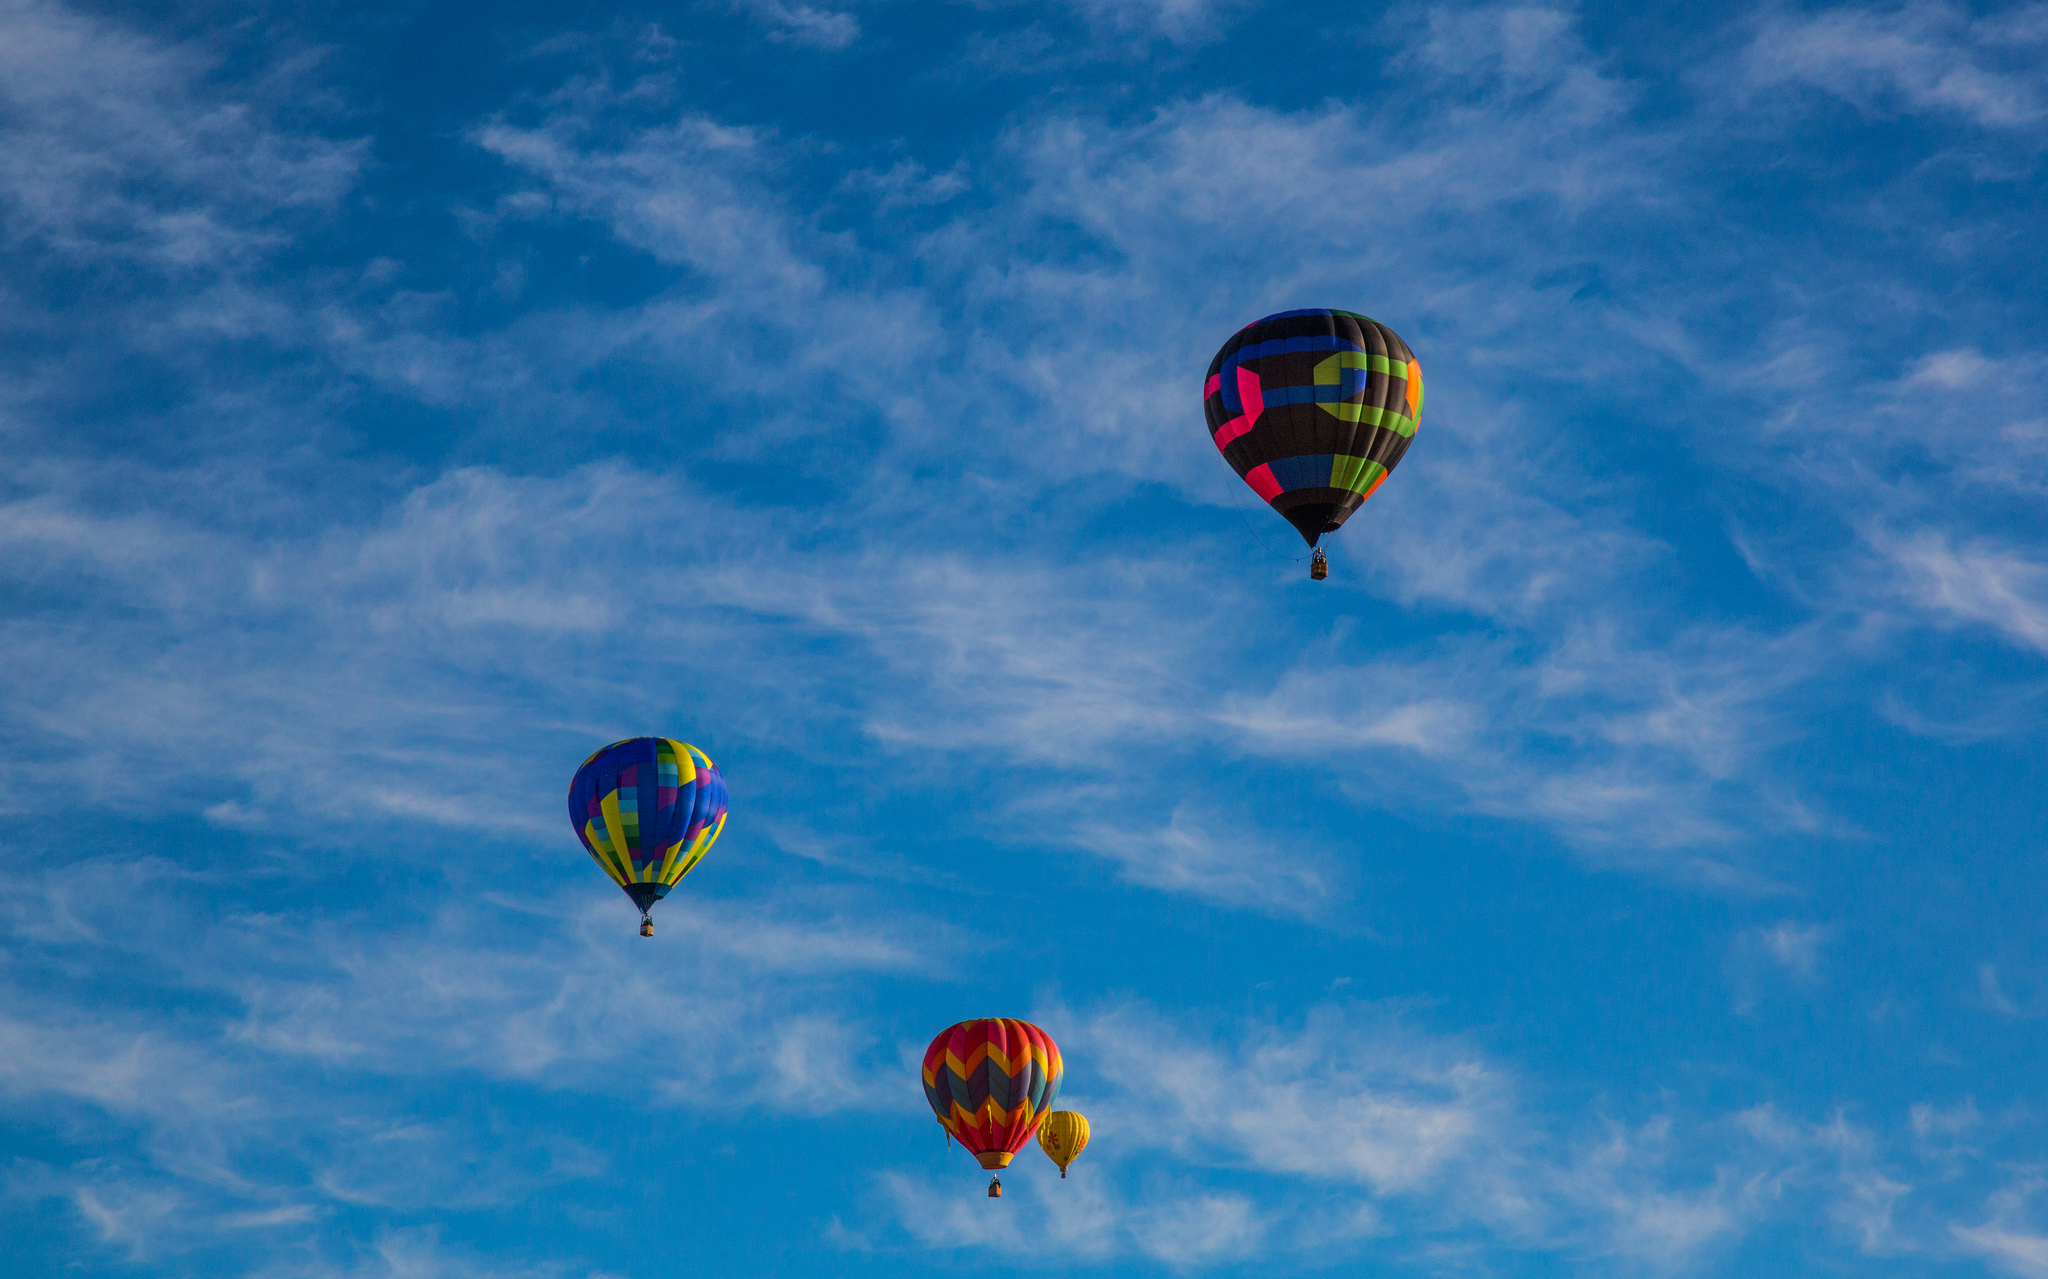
[1319, 566]
[995, 1187]
[646, 926]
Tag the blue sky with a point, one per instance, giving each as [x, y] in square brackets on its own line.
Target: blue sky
[1630, 862]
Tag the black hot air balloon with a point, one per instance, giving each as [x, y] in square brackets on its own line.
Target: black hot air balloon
[1313, 409]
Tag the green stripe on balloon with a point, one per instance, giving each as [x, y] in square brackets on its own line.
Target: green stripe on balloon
[1371, 415]
[1354, 473]
[1331, 371]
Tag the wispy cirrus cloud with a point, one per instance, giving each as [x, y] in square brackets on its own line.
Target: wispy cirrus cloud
[1341, 1096]
[1182, 22]
[1220, 856]
[2008, 1240]
[1989, 585]
[1412, 1147]
[803, 24]
[135, 161]
[1917, 56]
[281, 1094]
[1006, 660]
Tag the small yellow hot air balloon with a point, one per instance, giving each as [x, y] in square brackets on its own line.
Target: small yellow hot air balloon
[1063, 1136]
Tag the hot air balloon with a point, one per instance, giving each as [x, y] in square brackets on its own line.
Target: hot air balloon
[647, 809]
[991, 1081]
[1063, 1136]
[1313, 409]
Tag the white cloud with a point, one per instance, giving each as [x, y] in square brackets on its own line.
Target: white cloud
[540, 994]
[1997, 586]
[1922, 56]
[278, 1093]
[1655, 729]
[1645, 1221]
[803, 24]
[1796, 948]
[1201, 1229]
[558, 1006]
[1991, 990]
[129, 1217]
[1578, 709]
[2017, 1252]
[1220, 857]
[1349, 1103]
[953, 1213]
[2007, 1240]
[1352, 1126]
[1184, 22]
[1938, 463]
[973, 655]
[419, 1253]
[1522, 50]
[996, 658]
[1346, 1096]
[907, 185]
[111, 148]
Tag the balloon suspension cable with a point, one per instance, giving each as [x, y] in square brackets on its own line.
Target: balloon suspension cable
[646, 924]
[1238, 506]
[995, 1187]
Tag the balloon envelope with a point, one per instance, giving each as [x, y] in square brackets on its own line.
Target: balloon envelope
[1063, 1136]
[991, 1081]
[647, 810]
[1313, 409]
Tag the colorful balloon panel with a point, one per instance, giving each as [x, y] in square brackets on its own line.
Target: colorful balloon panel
[991, 1081]
[1313, 409]
[647, 810]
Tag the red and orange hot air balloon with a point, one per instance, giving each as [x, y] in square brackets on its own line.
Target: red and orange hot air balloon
[992, 1081]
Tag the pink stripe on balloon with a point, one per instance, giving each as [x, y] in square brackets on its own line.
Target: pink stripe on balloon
[1253, 398]
[1210, 387]
[1250, 393]
[1261, 479]
[1231, 430]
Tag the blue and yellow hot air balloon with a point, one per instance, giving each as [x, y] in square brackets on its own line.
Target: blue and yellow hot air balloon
[647, 809]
